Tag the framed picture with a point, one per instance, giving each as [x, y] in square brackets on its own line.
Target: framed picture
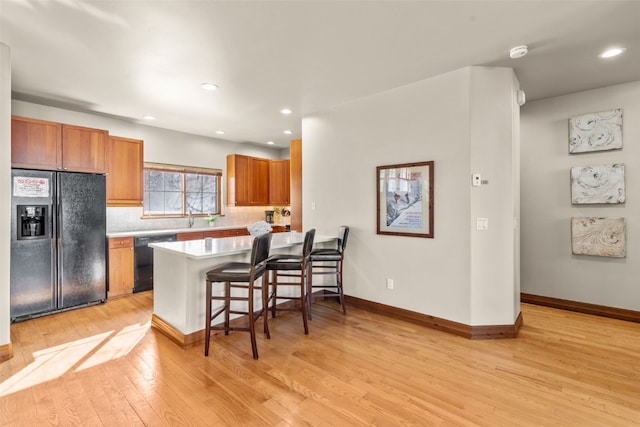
[405, 199]
[599, 237]
[597, 184]
[595, 132]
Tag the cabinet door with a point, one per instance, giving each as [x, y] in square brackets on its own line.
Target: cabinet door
[84, 149]
[196, 235]
[258, 181]
[120, 266]
[35, 144]
[279, 182]
[233, 232]
[214, 234]
[125, 168]
[237, 180]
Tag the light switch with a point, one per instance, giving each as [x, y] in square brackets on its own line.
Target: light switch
[482, 223]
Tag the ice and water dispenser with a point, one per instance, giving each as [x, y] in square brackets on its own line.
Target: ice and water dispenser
[32, 222]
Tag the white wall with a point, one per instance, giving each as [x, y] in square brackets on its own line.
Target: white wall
[5, 189]
[548, 266]
[494, 142]
[446, 276]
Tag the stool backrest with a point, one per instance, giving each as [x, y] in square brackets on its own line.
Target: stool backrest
[308, 242]
[260, 249]
[343, 235]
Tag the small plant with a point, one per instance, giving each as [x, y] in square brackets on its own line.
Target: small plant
[282, 211]
[210, 219]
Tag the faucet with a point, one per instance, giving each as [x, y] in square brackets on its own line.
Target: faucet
[191, 219]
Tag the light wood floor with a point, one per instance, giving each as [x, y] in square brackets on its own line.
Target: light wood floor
[104, 366]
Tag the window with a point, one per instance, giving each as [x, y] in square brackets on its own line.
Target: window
[171, 190]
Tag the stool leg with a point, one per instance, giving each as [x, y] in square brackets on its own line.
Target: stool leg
[252, 324]
[309, 290]
[340, 291]
[207, 326]
[275, 293]
[227, 306]
[304, 269]
[265, 304]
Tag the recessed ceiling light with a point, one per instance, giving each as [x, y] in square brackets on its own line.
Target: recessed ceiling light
[518, 51]
[270, 142]
[286, 111]
[288, 132]
[610, 53]
[220, 132]
[209, 86]
[148, 117]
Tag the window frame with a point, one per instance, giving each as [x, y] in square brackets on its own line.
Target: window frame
[184, 170]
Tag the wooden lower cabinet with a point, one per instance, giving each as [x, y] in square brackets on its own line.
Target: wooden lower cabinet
[120, 266]
[197, 235]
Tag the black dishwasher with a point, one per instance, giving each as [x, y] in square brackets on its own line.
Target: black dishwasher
[143, 260]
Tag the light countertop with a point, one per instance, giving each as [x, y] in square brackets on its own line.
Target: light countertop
[142, 233]
[197, 249]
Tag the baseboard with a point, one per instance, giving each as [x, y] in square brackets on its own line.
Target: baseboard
[460, 329]
[582, 307]
[194, 338]
[183, 340]
[6, 352]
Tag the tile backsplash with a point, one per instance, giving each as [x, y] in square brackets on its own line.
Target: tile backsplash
[130, 219]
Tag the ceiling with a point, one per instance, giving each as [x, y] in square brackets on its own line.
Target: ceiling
[127, 59]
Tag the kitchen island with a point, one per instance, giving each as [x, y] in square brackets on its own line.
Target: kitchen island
[180, 268]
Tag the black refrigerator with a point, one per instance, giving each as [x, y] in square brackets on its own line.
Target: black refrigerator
[58, 241]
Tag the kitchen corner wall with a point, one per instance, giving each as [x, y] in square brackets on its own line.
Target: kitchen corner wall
[548, 266]
[465, 121]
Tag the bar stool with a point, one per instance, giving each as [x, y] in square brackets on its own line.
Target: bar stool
[328, 261]
[287, 265]
[241, 276]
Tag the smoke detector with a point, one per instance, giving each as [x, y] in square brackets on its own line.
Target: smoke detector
[518, 51]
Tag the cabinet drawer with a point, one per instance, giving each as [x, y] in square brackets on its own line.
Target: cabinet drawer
[196, 235]
[237, 232]
[215, 234]
[120, 242]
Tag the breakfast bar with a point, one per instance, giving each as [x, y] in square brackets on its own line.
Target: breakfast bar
[179, 271]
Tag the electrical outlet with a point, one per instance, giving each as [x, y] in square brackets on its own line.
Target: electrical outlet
[389, 283]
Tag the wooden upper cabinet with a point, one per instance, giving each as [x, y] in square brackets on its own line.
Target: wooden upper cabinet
[36, 144]
[279, 182]
[259, 181]
[238, 180]
[39, 144]
[247, 181]
[84, 149]
[252, 181]
[125, 171]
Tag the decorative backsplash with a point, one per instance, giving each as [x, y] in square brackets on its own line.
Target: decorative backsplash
[130, 219]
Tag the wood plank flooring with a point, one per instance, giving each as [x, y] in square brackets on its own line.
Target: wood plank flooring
[104, 366]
